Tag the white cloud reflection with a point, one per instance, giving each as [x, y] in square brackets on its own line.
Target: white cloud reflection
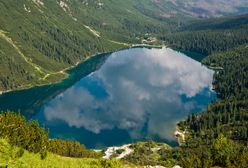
[143, 86]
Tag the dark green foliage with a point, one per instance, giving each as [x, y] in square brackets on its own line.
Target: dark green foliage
[54, 39]
[232, 81]
[70, 149]
[104, 163]
[19, 153]
[27, 135]
[43, 154]
[196, 153]
[219, 136]
[152, 153]
[220, 152]
[120, 151]
[221, 23]
[229, 115]
[208, 41]
[209, 36]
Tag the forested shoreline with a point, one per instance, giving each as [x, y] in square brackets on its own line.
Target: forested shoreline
[216, 137]
[225, 120]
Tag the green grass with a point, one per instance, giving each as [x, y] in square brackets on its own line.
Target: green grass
[14, 157]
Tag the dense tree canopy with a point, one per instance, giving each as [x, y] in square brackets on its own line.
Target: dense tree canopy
[29, 136]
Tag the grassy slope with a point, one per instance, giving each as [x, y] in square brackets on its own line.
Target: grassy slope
[10, 156]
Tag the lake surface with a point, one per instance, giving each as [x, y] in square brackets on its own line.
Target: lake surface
[116, 98]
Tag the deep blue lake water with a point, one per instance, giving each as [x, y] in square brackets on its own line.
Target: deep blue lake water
[122, 97]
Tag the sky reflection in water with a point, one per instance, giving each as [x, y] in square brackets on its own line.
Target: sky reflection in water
[143, 92]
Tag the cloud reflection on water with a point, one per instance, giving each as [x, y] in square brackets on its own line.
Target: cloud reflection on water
[143, 91]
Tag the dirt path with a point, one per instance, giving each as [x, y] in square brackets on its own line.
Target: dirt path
[27, 60]
[97, 34]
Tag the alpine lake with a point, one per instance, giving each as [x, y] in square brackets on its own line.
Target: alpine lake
[117, 98]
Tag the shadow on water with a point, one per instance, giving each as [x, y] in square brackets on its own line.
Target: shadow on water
[29, 101]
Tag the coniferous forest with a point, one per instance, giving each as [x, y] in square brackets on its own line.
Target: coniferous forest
[38, 50]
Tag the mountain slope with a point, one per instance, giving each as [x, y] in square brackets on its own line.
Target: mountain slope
[224, 43]
[230, 22]
[170, 10]
[40, 38]
[210, 8]
[212, 35]
[11, 156]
